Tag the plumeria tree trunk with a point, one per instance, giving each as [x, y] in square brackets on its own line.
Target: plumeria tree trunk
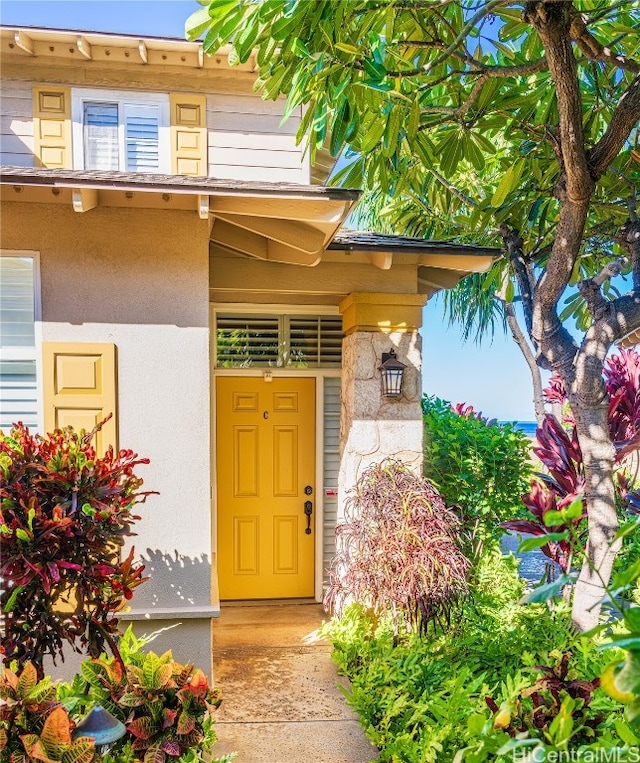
[581, 367]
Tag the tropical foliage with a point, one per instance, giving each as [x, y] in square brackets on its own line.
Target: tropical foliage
[515, 115]
[479, 467]
[504, 677]
[167, 709]
[556, 509]
[64, 514]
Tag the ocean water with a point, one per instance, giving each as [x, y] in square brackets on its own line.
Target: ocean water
[528, 427]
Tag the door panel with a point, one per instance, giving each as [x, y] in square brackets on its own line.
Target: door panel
[265, 445]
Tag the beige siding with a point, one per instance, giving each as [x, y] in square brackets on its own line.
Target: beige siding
[16, 124]
[245, 138]
[247, 141]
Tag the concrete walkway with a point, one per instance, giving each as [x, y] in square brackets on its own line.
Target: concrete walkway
[281, 702]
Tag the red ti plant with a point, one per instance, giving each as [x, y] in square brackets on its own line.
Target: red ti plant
[63, 514]
[558, 449]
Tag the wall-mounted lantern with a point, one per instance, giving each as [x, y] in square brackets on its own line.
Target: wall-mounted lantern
[102, 727]
[392, 371]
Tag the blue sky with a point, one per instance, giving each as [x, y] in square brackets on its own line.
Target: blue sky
[493, 377]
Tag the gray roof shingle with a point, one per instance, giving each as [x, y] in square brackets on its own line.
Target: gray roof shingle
[364, 241]
[112, 179]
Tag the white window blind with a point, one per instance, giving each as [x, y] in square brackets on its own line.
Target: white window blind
[101, 136]
[142, 135]
[18, 383]
[316, 340]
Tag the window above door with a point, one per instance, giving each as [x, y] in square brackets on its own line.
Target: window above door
[245, 340]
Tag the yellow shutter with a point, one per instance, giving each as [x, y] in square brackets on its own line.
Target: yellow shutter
[79, 386]
[188, 134]
[52, 126]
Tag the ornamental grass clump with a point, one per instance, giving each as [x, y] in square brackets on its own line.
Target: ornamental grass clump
[398, 550]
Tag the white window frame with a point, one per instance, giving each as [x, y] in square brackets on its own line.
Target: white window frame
[79, 96]
[30, 352]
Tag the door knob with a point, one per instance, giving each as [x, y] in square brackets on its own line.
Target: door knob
[308, 510]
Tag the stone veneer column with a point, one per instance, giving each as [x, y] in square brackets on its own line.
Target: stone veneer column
[372, 427]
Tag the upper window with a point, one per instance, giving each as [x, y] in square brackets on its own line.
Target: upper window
[118, 130]
[18, 315]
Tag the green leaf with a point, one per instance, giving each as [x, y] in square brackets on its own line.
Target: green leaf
[414, 119]
[346, 48]
[299, 48]
[548, 591]
[632, 618]
[625, 733]
[374, 84]
[632, 643]
[530, 544]
[628, 679]
[375, 71]
[505, 49]
[11, 602]
[553, 517]
[88, 509]
[632, 714]
[197, 24]
[574, 510]
[629, 528]
[23, 534]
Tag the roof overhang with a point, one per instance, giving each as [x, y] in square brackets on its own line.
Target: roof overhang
[276, 222]
[441, 264]
[130, 50]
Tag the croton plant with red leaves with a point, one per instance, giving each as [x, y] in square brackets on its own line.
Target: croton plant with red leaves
[558, 449]
[64, 513]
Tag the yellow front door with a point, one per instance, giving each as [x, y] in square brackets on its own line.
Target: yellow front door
[265, 444]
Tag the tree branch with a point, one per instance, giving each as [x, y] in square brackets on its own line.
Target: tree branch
[515, 70]
[590, 288]
[450, 187]
[629, 238]
[513, 244]
[484, 11]
[525, 348]
[622, 317]
[552, 22]
[624, 118]
[595, 51]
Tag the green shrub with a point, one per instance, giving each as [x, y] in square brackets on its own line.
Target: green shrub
[478, 466]
[425, 699]
[397, 550]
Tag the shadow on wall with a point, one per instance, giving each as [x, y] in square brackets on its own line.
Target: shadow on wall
[175, 581]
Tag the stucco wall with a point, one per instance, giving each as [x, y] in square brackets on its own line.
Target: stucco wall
[139, 279]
